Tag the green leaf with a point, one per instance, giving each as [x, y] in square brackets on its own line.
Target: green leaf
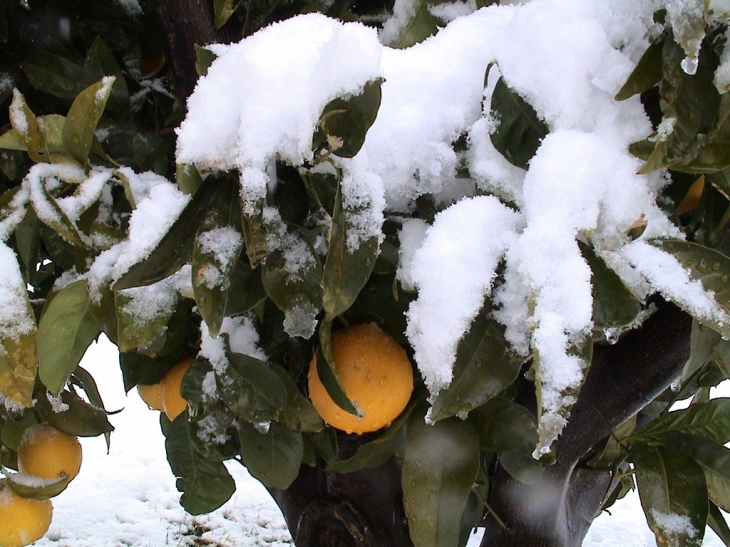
[56, 75]
[18, 354]
[344, 122]
[30, 487]
[294, 285]
[521, 466]
[65, 330]
[716, 521]
[176, 247]
[26, 127]
[327, 372]
[390, 442]
[204, 58]
[711, 267]
[520, 130]
[251, 389]
[504, 426]
[101, 62]
[298, 414]
[646, 74]
[83, 117]
[440, 465]
[80, 419]
[613, 304]
[672, 485]
[10, 140]
[346, 270]
[420, 26]
[710, 420]
[246, 289]
[188, 178]
[205, 484]
[223, 11]
[273, 457]
[484, 366]
[217, 247]
[142, 316]
[703, 341]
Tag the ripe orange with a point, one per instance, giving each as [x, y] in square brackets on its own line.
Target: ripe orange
[22, 521]
[47, 453]
[151, 394]
[172, 402]
[374, 372]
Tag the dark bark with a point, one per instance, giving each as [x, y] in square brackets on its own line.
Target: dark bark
[623, 378]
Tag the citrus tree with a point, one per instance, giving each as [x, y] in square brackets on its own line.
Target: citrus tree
[420, 266]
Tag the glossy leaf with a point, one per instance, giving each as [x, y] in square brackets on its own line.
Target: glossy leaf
[298, 414]
[188, 178]
[79, 419]
[521, 466]
[205, 484]
[346, 270]
[440, 465]
[716, 521]
[710, 420]
[142, 315]
[65, 330]
[646, 74]
[672, 485]
[520, 130]
[56, 75]
[246, 289]
[176, 247]
[83, 117]
[484, 367]
[709, 266]
[34, 488]
[613, 304]
[344, 122]
[326, 370]
[251, 389]
[53, 216]
[223, 11]
[216, 249]
[374, 453]
[504, 426]
[273, 457]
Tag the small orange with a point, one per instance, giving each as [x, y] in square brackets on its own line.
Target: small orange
[375, 373]
[151, 394]
[172, 402]
[47, 453]
[22, 521]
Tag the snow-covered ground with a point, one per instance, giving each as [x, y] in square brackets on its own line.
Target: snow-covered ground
[128, 497]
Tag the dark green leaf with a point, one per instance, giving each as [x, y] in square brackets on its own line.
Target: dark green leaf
[324, 188]
[204, 58]
[703, 341]
[520, 130]
[205, 484]
[613, 304]
[34, 488]
[521, 466]
[28, 239]
[344, 122]
[420, 26]
[710, 420]
[441, 463]
[188, 178]
[716, 521]
[346, 270]
[324, 444]
[251, 389]
[711, 267]
[56, 75]
[80, 419]
[390, 442]
[326, 369]
[223, 11]
[646, 74]
[82, 118]
[298, 414]
[484, 366]
[246, 289]
[65, 330]
[43, 201]
[142, 315]
[295, 287]
[176, 247]
[273, 457]
[672, 485]
[504, 426]
[216, 250]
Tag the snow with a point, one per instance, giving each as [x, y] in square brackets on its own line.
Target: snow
[16, 318]
[132, 491]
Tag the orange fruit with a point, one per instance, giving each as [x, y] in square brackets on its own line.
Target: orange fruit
[375, 373]
[172, 402]
[151, 394]
[22, 521]
[47, 453]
